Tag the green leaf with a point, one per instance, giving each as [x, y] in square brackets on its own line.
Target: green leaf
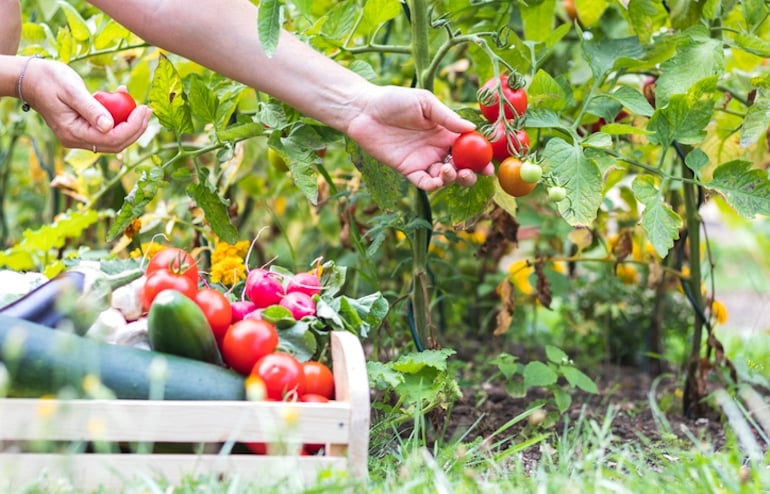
[647, 17]
[203, 101]
[538, 19]
[562, 399]
[167, 98]
[590, 11]
[580, 176]
[378, 12]
[241, 131]
[414, 362]
[556, 355]
[684, 119]
[697, 57]
[754, 11]
[539, 374]
[623, 129]
[753, 44]
[756, 122]
[463, 203]
[138, 198]
[78, 26]
[634, 100]
[64, 44]
[577, 379]
[384, 183]
[602, 54]
[543, 119]
[544, 92]
[507, 364]
[269, 25]
[214, 208]
[745, 188]
[696, 160]
[382, 376]
[661, 223]
[298, 340]
[598, 140]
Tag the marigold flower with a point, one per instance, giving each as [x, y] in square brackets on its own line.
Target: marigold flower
[719, 310]
[228, 271]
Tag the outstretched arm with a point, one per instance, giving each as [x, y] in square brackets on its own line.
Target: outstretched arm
[407, 129]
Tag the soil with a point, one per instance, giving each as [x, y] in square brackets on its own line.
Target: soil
[645, 411]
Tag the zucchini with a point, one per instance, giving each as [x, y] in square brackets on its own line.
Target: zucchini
[41, 362]
[175, 324]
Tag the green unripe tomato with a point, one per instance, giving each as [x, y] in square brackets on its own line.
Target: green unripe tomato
[531, 172]
[557, 193]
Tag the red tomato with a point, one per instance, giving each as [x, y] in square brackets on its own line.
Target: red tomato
[514, 104]
[217, 309]
[282, 373]
[313, 398]
[119, 103]
[471, 150]
[160, 280]
[247, 341]
[500, 137]
[174, 260]
[318, 379]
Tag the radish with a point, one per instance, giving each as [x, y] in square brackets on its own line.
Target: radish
[241, 309]
[306, 282]
[263, 287]
[300, 304]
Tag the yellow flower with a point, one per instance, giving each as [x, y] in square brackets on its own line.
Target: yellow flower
[627, 274]
[719, 310]
[148, 249]
[228, 271]
[520, 272]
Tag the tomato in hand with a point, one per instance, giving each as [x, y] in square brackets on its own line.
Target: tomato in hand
[509, 177]
[174, 260]
[282, 374]
[247, 341]
[119, 103]
[514, 103]
[217, 309]
[471, 150]
[500, 137]
[161, 280]
[319, 379]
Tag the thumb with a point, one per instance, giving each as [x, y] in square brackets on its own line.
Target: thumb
[91, 110]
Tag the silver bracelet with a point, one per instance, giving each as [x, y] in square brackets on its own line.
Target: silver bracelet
[24, 104]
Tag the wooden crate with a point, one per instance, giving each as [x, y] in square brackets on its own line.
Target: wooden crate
[343, 425]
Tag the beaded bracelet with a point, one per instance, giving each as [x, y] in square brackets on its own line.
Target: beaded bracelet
[24, 104]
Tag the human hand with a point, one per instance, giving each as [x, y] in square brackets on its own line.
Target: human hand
[59, 95]
[411, 131]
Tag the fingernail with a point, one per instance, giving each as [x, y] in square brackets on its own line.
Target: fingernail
[103, 123]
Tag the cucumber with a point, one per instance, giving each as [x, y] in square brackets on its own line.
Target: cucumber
[40, 361]
[176, 325]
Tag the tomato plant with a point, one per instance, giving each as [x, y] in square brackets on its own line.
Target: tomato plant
[514, 100]
[471, 150]
[162, 279]
[530, 172]
[282, 374]
[119, 103]
[509, 177]
[319, 379]
[174, 260]
[246, 341]
[217, 309]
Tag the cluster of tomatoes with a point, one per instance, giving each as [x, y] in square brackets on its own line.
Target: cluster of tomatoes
[503, 102]
[248, 343]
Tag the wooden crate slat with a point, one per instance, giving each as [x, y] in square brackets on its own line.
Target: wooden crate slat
[172, 421]
[114, 471]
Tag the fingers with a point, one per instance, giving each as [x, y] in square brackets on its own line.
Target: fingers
[440, 114]
[121, 136]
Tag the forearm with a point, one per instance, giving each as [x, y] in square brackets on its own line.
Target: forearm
[10, 68]
[10, 26]
[222, 35]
